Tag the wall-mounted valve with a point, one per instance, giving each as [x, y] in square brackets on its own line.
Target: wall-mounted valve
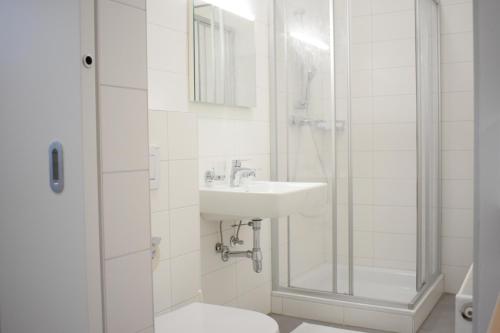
[255, 254]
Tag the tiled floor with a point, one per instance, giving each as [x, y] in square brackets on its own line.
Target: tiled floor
[441, 320]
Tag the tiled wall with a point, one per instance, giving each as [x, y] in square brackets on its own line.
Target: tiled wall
[383, 109]
[225, 134]
[391, 60]
[123, 128]
[174, 205]
[458, 139]
[457, 135]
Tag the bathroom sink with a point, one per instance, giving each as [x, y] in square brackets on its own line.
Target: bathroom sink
[261, 199]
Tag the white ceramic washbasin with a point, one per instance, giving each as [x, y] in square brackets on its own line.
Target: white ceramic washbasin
[261, 199]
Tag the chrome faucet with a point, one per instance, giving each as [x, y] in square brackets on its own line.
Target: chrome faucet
[238, 172]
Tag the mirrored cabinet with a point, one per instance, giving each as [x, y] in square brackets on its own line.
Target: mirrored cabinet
[222, 53]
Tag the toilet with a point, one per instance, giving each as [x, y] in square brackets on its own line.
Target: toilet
[207, 318]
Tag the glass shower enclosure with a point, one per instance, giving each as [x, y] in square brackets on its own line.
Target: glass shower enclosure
[357, 106]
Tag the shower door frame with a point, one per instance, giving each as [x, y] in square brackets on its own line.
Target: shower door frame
[423, 284]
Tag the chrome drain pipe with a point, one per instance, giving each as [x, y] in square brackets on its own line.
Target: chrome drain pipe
[255, 254]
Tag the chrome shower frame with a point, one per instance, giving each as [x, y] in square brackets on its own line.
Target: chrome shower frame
[425, 284]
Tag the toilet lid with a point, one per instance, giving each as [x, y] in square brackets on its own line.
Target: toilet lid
[207, 318]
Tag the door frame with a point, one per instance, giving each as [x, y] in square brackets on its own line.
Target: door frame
[91, 169]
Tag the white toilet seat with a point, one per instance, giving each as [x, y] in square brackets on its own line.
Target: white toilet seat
[207, 318]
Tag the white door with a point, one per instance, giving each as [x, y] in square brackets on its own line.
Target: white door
[49, 254]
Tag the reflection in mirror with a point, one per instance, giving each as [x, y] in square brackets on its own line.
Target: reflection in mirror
[223, 53]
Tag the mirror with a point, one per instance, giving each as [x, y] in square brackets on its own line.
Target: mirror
[222, 52]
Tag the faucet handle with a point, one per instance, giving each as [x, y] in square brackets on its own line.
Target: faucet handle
[236, 163]
[211, 176]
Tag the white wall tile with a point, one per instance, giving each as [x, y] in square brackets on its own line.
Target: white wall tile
[182, 135]
[247, 279]
[458, 223]
[394, 109]
[456, 18]
[125, 213]
[458, 135]
[395, 164]
[458, 193]
[394, 26]
[183, 177]
[391, 219]
[394, 81]
[129, 310]
[457, 77]
[389, 6]
[458, 106]
[167, 91]
[185, 228]
[453, 277]
[457, 251]
[158, 132]
[362, 137]
[394, 192]
[363, 244]
[394, 136]
[141, 4]
[394, 246]
[362, 189]
[172, 14]
[361, 110]
[185, 277]
[457, 47]
[361, 83]
[219, 287]
[261, 8]
[361, 7]
[148, 330]
[362, 164]
[123, 111]
[452, 2]
[210, 260]
[167, 49]
[394, 53]
[160, 227]
[362, 217]
[458, 164]
[361, 56]
[361, 31]
[258, 299]
[162, 286]
[122, 45]
[213, 137]
[160, 197]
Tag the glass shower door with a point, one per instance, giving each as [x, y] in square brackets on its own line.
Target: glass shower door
[305, 118]
[364, 120]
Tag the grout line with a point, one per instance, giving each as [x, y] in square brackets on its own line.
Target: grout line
[124, 171]
[127, 254]
[166, 27]
[128, 5]
[156, 69]
[122, 87]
